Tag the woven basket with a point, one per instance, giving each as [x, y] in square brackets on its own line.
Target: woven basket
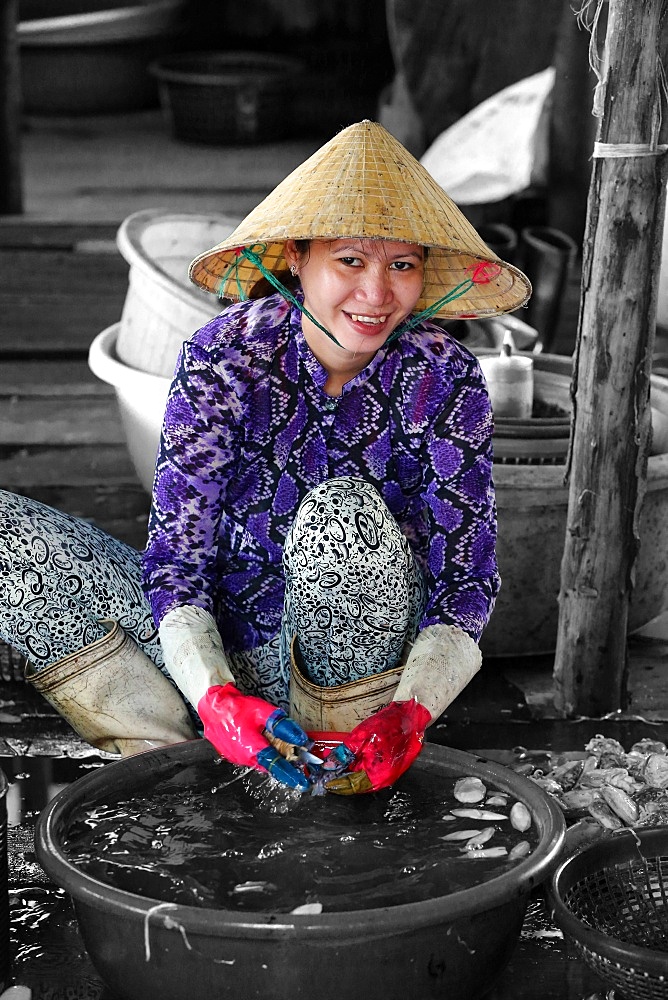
[611, 900]
[227, 98]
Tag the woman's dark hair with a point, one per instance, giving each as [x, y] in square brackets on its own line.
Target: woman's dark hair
[262, 287]
[303, 245]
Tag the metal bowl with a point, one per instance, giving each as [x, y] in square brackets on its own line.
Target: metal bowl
[453, 946]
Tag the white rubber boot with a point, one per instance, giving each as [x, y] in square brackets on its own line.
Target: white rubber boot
[114, 696]
[338, 708]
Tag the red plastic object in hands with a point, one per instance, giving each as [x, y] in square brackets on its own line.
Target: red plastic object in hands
[235, 724]
[384, 746]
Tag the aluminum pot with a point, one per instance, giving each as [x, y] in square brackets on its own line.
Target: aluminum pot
[453, 947]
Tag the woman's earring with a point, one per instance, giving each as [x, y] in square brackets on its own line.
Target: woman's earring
[293, 270]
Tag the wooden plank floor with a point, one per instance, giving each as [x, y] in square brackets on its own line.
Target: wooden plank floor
[103, 167]
[61, 441]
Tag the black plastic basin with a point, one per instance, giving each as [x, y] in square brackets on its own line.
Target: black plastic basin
[452, 947]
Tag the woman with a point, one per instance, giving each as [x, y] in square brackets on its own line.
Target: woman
[323, 523]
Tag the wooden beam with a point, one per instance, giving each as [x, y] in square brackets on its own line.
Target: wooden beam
[26, 232]
[11, 196]
[611, 430]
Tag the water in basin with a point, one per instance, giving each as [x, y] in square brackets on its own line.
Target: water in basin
[208, 835]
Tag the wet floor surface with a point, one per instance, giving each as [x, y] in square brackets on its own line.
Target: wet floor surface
[42, 757]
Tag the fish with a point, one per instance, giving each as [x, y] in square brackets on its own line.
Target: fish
[253, 887]
[520, 850]
[616, 788]
[477, 814]
[579, 798]
[488, 852]
[479, 838]
[460, 835]
[470, 790]
[604, 815]
[498, 799]
[520, 817]
[621, 804]
[655, 772]
[308, 908]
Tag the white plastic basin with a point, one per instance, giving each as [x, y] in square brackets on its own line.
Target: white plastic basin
[163, 307]
[141, 400]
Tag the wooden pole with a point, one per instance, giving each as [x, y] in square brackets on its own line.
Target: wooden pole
[611, 429]
[11, 199]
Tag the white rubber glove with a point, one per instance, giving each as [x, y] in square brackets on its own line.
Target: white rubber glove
[193, 651]
[442, 661]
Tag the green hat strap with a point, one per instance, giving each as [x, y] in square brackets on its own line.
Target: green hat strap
[252, 254]
[481, 273]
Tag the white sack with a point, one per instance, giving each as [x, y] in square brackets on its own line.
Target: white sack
[499, 148]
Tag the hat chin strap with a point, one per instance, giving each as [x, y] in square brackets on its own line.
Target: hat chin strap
[481, 274]
[250, 254]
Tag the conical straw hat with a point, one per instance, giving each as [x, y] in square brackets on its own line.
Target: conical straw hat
[364, 184]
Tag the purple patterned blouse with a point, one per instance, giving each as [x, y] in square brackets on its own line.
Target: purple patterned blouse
[249, 430]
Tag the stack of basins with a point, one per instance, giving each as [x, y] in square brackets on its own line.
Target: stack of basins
[543, 438]
[162, 309]
[532, 495]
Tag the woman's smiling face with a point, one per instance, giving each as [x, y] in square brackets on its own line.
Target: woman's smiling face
[360, 290]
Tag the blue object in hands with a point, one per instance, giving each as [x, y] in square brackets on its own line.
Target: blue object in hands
[280, 769]
[283, 728]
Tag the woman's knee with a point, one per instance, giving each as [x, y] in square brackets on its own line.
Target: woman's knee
[341, 519]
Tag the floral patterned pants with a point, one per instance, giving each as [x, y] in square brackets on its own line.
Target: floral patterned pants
[354, 594]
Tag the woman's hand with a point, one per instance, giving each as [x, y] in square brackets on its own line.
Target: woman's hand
[440, 664]
[380, 749]
[235, 724]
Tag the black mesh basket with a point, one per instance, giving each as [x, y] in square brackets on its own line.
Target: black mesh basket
[611, 901]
